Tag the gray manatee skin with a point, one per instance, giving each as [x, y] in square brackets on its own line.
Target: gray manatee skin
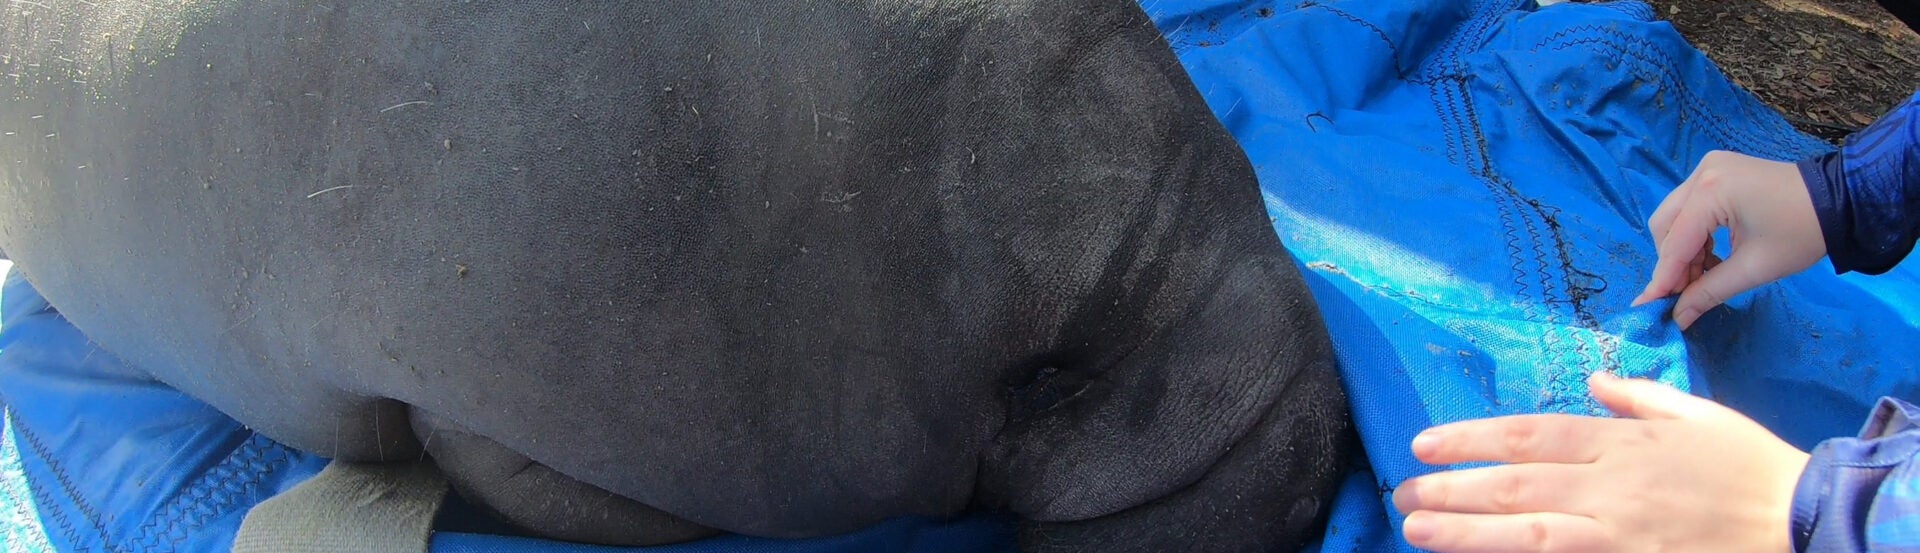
[636, 272]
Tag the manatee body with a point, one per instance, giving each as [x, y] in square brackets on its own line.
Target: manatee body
[638, 272]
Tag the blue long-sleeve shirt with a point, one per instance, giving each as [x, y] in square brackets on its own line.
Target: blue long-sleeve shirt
[1863, 493]
[1867, 194]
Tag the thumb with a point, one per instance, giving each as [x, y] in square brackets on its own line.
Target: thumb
[1647, 399]
[1739, 273]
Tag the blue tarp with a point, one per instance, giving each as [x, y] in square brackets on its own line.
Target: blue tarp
[1465, 183]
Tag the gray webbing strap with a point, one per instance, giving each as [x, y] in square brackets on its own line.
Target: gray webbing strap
[349, 507]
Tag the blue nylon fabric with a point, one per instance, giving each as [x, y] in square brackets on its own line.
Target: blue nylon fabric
[1465, 183]
[117, 462]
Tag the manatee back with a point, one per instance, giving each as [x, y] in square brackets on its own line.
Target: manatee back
[865, 258]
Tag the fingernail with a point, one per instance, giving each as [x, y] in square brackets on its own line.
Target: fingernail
[1646, 296]
[1418, 528]
[1686, 317]
[1604, 376]
[1425, 443]
[1405, 499]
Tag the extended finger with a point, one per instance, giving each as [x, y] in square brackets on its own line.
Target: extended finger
[1690, 231]
[1647, 399]
[1522, 533]
[1498, 490]
[1658, 224]
[1515, 439]
[1663, 215]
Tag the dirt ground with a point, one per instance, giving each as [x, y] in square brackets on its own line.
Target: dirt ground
[1830, 66]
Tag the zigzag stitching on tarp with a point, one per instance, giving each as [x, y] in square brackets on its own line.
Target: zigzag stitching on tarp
[1647, 59]
[1635, 9]
[1561, 252]
[1447, 102]
[1434, 69]
[59, 517]
[1512, 220]
[66, 488]
[1647, 56]
[1445, 110]
[1542, 269]
[1399, 69]
[1505, 193]
[253, 468]
[239, 474]
[170, 514]
[24, 505]
[1446, 106]
[1446, 62]
[45, 502]
[1577, 292]
[1554, 340]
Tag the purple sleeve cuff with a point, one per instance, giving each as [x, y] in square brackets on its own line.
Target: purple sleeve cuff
[1827, 186]
[1806, 500]
[1840, 504]
[1868, 195]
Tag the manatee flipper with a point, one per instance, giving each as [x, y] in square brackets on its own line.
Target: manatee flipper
[534, 497]
[1195, 436]
[1258, 496]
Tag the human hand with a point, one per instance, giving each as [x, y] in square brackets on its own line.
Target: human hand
[1683, 474]
[1770, 217]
